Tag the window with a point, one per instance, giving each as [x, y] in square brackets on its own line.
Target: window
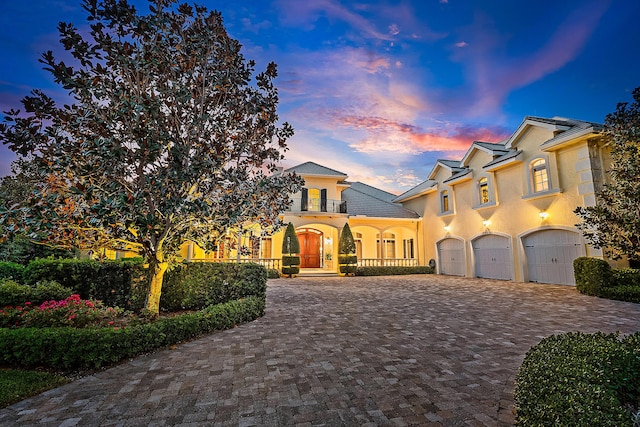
[407, 248]
[483, 190]
[357, 237]
[265, 250]
[387, 249]
[314, 200]
[444, 201]
[539, 176]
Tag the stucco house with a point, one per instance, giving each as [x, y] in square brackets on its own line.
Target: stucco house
[502, 211]
[505, 210]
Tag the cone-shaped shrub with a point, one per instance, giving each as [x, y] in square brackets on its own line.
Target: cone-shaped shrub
[347, 252]
[290, 252]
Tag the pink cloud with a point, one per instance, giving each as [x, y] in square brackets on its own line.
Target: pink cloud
[384, 135]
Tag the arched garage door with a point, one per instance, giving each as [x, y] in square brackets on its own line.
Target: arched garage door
[492, 254]
[550, 254]
[451, 256]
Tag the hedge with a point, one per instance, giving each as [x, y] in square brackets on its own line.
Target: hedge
[15, 294]
[595, 277]
[579, 379]
[70, 348]
[110, 282]
[392, 270]
[11, 270]
[193, 286]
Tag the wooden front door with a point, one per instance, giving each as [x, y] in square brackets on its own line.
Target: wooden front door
[309, 248]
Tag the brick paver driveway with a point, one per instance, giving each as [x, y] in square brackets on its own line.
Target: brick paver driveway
[404, 350]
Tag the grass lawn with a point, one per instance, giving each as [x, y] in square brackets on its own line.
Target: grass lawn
[17, 385]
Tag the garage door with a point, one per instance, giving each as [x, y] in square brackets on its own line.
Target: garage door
[492, 255]
[451, 256]
[550, 255]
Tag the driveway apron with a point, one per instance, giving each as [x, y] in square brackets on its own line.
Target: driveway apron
[421, 350]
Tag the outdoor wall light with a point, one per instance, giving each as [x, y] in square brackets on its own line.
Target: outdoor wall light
[486, 223]
[543, 215]
[447, 228]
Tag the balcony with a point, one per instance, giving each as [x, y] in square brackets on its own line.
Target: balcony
[318, 205]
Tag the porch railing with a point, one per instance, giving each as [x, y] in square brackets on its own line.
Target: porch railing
[268, 263]
[395, 262]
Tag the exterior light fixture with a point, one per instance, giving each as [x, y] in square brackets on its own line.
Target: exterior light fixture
[486, 223]
[447, 228]
[543, 215]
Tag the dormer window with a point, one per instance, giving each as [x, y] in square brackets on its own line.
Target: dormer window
[445, 206]
[539, 176]
[483, 190]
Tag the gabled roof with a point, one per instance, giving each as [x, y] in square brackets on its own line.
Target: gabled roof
[314, 169]
[452, 166]
[457, 176]
[361, 200]
[507, 157]
[558, 125]
[423, 188]
[492, 149]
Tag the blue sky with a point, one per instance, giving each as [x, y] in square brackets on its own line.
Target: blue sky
[380, 90]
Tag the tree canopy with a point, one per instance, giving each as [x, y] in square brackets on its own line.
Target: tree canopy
[614, 223]
[167, 136]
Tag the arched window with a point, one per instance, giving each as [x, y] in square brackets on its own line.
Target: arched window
[483, 190]
[444, 201]
[539, 176]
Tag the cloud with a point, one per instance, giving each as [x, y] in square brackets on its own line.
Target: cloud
[394, 30]
[462, 44]
[384, 135]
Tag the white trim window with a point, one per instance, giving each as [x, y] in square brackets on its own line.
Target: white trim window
[539, 176]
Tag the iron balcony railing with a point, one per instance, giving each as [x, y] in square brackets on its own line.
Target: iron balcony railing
[318, 205]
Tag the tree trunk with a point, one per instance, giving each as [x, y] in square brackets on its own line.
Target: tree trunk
[153, 297]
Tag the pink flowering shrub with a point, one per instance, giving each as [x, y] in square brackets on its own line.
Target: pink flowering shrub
[72, 311]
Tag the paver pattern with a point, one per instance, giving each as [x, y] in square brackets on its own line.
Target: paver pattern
[404, 350]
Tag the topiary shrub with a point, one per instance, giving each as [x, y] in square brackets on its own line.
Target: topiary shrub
[290, 252]
[347, 258]
[272, 273]
[11, 270]
[578, 379]
[591, 274]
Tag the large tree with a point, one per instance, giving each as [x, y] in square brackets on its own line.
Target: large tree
[614, 223]
[167, 136]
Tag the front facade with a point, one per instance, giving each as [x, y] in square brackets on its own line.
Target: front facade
[505, 210]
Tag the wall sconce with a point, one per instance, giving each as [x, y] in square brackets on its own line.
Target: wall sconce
[543, 215]
[486, 223]
[447, 229]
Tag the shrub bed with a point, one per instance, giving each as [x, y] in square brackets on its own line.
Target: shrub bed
[392, 271]
[578, 379]
[72, 348]
[595, 277]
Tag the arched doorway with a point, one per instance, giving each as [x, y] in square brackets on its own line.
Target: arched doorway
[310, 247]
[451, 256]
[550, 253]
[492, 254]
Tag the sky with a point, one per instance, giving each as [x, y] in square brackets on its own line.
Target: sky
[381, 90]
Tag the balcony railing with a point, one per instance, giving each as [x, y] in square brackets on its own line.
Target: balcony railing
[318, 205]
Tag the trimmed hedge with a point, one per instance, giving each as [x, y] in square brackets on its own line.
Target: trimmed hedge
[110, 282]
[193, 286]
[579, 379]
[70, 348]
[392, 270]
[11, 270]
[14, 294]
[595, 277]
